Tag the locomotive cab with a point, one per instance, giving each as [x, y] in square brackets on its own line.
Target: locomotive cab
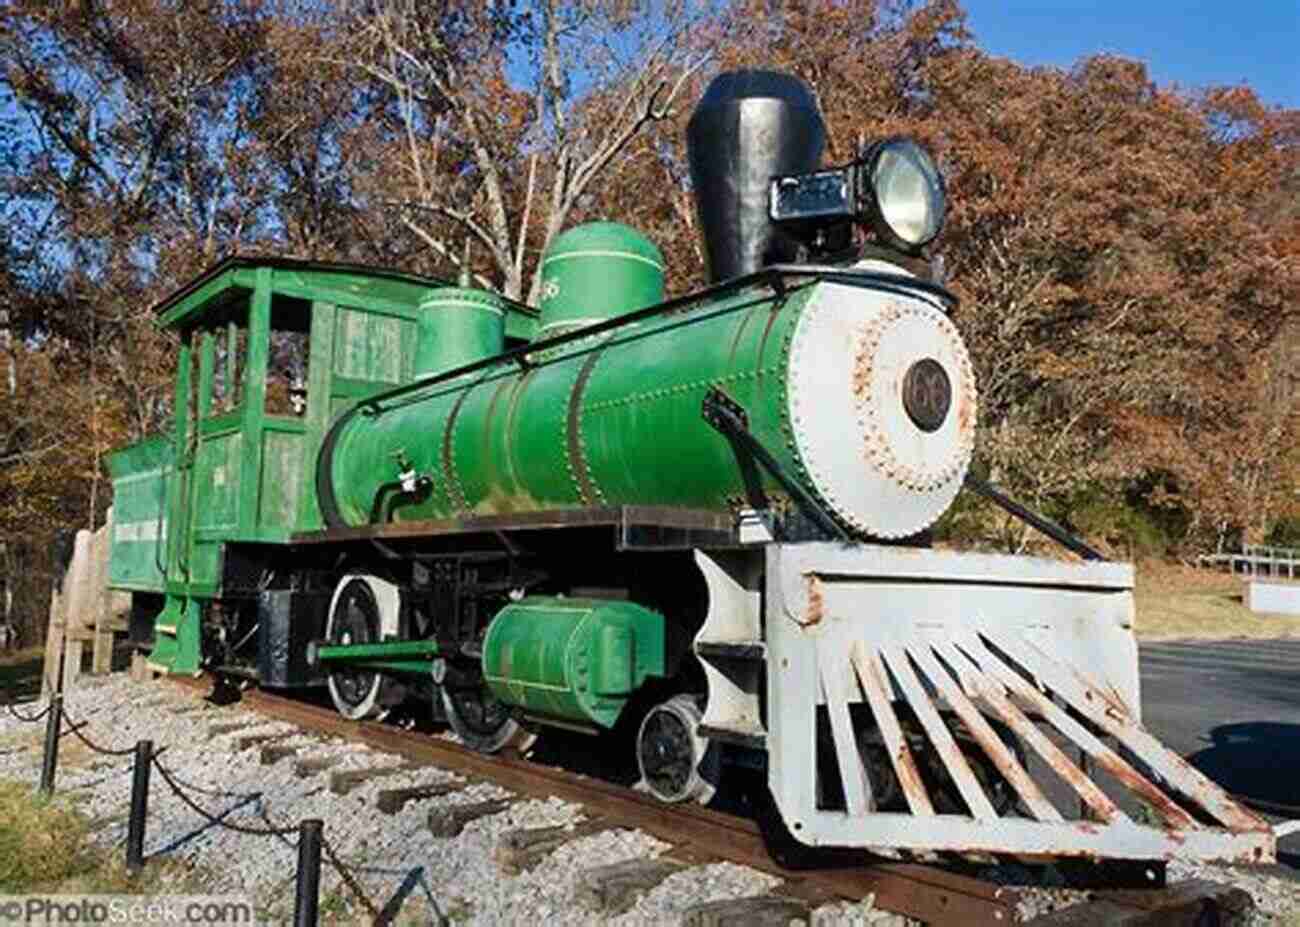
[269, 351]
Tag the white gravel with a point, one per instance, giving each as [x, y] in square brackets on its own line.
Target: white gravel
[394, 855]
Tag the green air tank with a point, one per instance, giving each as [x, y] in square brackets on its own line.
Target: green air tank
[458, 326]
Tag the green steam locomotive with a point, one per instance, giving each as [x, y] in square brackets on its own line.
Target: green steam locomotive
[698, 522]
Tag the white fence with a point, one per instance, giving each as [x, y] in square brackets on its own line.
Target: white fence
[1258, 560]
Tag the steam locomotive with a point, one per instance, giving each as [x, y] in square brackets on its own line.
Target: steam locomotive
[699, 521]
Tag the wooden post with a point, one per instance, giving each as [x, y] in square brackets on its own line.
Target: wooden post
[102, 600]
[54, 637]
[77, 586]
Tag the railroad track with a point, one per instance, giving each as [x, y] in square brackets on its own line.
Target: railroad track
[701, 835]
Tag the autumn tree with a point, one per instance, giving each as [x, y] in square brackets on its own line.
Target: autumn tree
[133, 130]
[500, 118]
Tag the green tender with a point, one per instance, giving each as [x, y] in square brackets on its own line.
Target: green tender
[576, 660]
[610, 420]
[140, 473]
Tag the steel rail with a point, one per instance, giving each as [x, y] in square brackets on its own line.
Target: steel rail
[697, 834]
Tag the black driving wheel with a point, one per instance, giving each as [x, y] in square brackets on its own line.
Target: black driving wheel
[669, 753]
[479, 719]
[355, 620]
[665, 753]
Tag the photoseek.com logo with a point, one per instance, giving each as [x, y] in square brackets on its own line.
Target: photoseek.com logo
[126, 909]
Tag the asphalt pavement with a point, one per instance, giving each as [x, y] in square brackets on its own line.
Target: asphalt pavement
[1232, 708]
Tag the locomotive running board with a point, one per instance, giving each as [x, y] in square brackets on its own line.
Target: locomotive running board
[921, 664]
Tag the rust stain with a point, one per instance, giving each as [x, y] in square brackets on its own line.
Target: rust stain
[772, 314]
[1168, 809]
[1165, 806]
[739, 334]
[816, 600]
[965, 414]
[909, 777]
[871, 674]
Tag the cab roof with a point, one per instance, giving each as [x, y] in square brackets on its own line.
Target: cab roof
[235, 278]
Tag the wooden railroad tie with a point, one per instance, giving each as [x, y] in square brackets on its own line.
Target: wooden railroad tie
[449, 820]
[1186, 904]
[521, 850]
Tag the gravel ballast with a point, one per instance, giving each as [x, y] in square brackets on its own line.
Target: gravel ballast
[393, 857]
[284, 775]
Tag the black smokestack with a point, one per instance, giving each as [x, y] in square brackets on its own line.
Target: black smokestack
[748, 127]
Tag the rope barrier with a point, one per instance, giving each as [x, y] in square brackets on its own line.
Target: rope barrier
[75, 728]
[180, 787]
[348, 877]
[213, 819]
[25, 718]
[215, 793]
[350, 880]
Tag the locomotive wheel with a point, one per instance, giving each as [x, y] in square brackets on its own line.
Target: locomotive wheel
[671, 756]
[354, 619]
[481, 721]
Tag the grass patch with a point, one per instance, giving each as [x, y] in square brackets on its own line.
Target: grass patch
[1175, 601]
[20, 674]
[46, 847]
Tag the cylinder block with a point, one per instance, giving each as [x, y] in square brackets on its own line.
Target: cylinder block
[572, 660]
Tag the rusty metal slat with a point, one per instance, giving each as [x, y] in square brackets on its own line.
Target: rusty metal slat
[990, 693]
[1173, 815]
[987, 738]
[858, 795]
[871, 676]
[1104, 711]
[944, 745]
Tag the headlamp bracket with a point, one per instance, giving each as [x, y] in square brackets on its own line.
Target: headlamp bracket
[819, 207]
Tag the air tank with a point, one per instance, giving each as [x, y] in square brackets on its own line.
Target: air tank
[748, 127]
[458, 325]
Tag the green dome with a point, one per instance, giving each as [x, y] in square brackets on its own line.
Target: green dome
[598, 271]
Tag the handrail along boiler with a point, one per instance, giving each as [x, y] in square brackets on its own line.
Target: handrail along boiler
[696, 527]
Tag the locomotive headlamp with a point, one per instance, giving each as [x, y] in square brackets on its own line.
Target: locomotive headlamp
[908, 193]
[895, 187]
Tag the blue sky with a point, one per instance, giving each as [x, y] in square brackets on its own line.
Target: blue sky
[1193, 43]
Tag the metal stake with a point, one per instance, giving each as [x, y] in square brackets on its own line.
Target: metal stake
[307, 891]
[53, 724]
[139, 806]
